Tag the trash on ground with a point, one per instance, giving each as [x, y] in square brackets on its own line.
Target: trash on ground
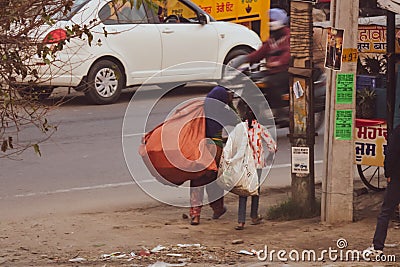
[394, 245]
[245, 252]
[188, 245]
[237, 241]
[132, 256]
[77, 259]
[165, 264]
[144, 252]
[114, 255]
[157, 249]
[174, 255]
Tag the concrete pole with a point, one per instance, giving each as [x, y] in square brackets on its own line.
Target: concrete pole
[337, 184]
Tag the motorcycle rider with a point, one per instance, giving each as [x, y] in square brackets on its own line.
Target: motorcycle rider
[276, 52]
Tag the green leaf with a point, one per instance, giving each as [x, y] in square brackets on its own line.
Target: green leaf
[69, 31]
[37, 149]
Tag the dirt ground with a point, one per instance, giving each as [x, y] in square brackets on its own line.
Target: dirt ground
[109, 238]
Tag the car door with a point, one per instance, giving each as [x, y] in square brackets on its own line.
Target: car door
[132, 37]
[185, 41]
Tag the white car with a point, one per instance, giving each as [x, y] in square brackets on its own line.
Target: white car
[131, 45]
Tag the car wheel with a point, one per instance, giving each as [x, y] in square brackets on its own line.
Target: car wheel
[105, 82]
[226, 71]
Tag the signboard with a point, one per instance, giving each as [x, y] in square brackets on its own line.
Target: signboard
[240, 11]
[372, 39]
[232, 10]
[343, 124]
[300, 160]
[349, 55]
[370, 143]
[391, 5]
[344, 88]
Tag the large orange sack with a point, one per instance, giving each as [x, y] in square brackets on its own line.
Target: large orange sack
[176, 150]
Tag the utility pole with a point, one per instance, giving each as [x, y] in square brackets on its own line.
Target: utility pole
[302, 132]
[338, 177]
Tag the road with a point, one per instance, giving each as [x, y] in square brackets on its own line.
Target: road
[83, 168]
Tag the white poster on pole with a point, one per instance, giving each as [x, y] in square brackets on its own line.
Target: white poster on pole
[300, 160]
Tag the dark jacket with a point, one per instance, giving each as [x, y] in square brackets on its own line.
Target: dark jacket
[392, 155]
[218, 113]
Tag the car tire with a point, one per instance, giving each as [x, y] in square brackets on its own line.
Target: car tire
[105, 82]
[232, 55]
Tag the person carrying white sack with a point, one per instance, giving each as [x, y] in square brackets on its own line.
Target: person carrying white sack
[257, 134]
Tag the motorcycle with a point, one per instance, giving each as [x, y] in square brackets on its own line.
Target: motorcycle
[278, 98]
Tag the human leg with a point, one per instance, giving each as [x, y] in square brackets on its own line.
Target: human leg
[254, 209]
[279, 85]
[197, 194]
[390, 201]
[216, 199]
[214, 192]
[196, 202]
[241, 213]
[256, 218]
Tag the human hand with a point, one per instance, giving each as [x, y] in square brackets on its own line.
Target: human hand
[273, 64]
[238, 61]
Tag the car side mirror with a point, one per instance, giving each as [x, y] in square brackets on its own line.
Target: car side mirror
[204, 19]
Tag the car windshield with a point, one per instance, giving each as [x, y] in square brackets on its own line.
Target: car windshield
[76, 6]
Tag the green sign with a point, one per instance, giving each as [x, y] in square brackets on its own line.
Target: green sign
[344, 88]
[344, 124]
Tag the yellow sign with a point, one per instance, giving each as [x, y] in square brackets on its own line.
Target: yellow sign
[372, 39]
[232, 10]
[239, 11]
[370, 143]
[349, 55]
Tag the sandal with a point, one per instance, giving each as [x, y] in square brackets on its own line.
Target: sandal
[195, 220]
[239, 227]
[217, 215]
[255, 221]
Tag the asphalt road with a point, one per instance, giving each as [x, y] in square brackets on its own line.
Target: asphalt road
[83, 168]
